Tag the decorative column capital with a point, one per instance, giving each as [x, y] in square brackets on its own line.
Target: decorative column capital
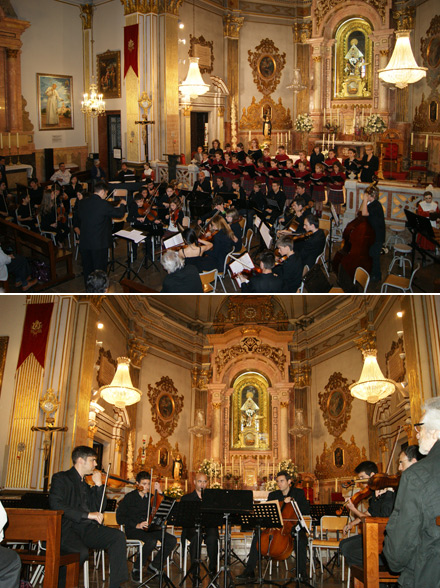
[404, 18]
[384, 52]
[216, 405]
[142, 6]
[91, 431]
[137, 350]
[187, 110]
[232, 25]
[317, 58]
[169, 6]
[201, 377]
[302, 31]
[12, 53]
[221, 111]
[284, 404]
[86, 15]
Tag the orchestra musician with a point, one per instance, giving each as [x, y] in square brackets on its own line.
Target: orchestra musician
[257, 199]
[132, 512]
[286, 492]
[425, 208]
[81, 525]
[174, 218]
[140, 221]
[233, 219]
[195, 247]
[351, 164]
[265, 281]
[369, 165]
[6, 200]
[372, 208]
[218, 207]
[316, 157]
[310, 248]
[290, 270]
[72, 188]
[52, 217]
[202, 186]
[336, 187]
[223, 240]
[35, 191]
[293, 219]
[220, 186]
[277, 196]
[408, 457]
[24, 213]
[210, 534]
[380, 505]
[240, 199]
[125, 173]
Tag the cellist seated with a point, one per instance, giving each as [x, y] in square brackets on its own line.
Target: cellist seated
[285, 493]
[133, 512]
[381, 505]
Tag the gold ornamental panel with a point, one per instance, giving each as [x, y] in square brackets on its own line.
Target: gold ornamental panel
[335, 404]
[166, 405]
[250, 413]
[324, 7]
[339, 460]
[247, 346]
[266, 63]
[252, 117]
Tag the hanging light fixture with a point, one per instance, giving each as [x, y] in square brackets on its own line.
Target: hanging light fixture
[372, 385]
[121, 392]
[402, 68]
[199, 429]
[92, 104]
[299, 429]
[194, 85]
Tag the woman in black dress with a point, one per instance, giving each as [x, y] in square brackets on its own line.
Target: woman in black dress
[369, 165]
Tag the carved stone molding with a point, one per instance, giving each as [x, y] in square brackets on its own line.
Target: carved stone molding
[384, 52]
[266, 63]
[302, 31]
[232, 25]
[301, 375]
[155, 6]
[252, 117]
[216, 405]
[339, 460]
[86, 15]
[323, 7]
[249, 345]
[166, 405]
[201, 377]
[187, 111]
[317, 58]
[335, 404]
[137, 350]
[221, 111]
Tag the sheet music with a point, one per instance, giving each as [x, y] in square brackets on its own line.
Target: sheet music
[265, 233]
[173, 241]
[133, 235]
[243, 262]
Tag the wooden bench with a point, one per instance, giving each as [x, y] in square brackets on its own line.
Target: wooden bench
[132, 286]
[41, 247]
[371, 574]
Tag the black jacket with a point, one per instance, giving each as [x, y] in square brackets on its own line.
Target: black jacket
[132, 510]
[95, 222]
[185, 280]
[412, 541]
[65, 494]
[290, 272]
[297, 494]
[311, 247]
[262, 283]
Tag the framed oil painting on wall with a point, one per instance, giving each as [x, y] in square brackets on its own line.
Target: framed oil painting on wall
[108, 67]
[55, 102]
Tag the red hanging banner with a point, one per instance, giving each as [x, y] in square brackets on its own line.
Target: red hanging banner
[35, 332]
[131, 42]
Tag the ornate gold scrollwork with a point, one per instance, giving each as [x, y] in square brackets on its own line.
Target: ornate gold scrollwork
[250, 345]
[241, 310]
[86, 15]
[252, 118]
[166, 405]
[137, 350]
[204, 50]
[339, 459]
[323, 7]
[267, 64]
[232, 25]
[335, 404]
[404, 18]
[302, 31]
[201, 377]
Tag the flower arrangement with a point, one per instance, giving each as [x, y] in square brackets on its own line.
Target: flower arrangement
[215, 486]
[271, 485]
[174, 491]
[288, 466]
[210, 468]
[304, 123]
[374, 124]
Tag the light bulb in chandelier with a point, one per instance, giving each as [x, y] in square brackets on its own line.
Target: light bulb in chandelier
[372, 386]
[194, 85]
[402, 68]
[93, 104]
[121, 392]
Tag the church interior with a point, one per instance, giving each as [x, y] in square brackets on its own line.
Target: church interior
[293, 74]
[238, 387]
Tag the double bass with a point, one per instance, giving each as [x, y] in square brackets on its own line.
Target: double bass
[358, 236]
[278, 543]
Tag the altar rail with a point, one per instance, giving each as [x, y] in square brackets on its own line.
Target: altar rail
[185, 174]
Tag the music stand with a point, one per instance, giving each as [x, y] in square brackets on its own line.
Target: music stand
[130, 237]
[159, 522]
[231, 504]
[301, 524]
[264, 515]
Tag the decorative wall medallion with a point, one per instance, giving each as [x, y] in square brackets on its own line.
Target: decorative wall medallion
[250, 345]
[339, 459]
[252, 118]
[166, 406]
[204, 50]
[430, 51]
[267, 64]
[335, 404]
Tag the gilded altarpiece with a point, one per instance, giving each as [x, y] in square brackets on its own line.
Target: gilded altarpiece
[250, 413]
[353, 60]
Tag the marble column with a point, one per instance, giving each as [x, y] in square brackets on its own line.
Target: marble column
[186, 144]
[232, 24]
[317, 99]
[86, 15]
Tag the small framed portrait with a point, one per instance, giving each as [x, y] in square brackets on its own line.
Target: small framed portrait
[433, 111]
[55, 102]
[108, 69]
[266, 67]
[163, 457]
[338, 457]
[433, 53]
[336, 403]
[165, 406]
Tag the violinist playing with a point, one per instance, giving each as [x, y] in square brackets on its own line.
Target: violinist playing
[289, 268]
[174, 218]
[138, 219]
[133, 513]
[381, 505]
[81, 524]
[285, 493]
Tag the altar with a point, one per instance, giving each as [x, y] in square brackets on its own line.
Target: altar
[18, 174]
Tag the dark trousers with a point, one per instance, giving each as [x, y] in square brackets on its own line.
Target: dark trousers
[374, 252]
[10, 567]
[210, 536]
[150, 540]
[93, 536]
[19, 266]
[302, 555]
[93, 259]
[352, 549]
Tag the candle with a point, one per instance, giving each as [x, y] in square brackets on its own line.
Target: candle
[426, 142]
[323, 141]
[250, 136]
[324, 117]
[221, 472]
[9, 140]
[338, 116]
[166, 483]
[336, 484]
[18, 141]
[186, 485]
[1, 140]
[412, 139]
[289, 135]
[362, 118]
[333, 145]
[273, 470]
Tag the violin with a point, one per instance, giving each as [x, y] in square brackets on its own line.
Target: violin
[61, 214]
[112, 482]
[147, 208]
[155, 502]
[278, 543]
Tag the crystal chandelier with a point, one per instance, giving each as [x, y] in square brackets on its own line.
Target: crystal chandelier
[402, 68]
[299, 429]
[372, 386]
[194, 85]
[296, 85]
[199, 429]
[121, 391]
[93, 105]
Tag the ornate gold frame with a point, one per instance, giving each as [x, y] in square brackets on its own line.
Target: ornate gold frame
[426, 48]
[337, 387]
[105, 358]
[165, 389]
[195, 42]
[325, 463]
[266, 49]
[261, 384]
[252, 117]
[101, 59]
[341, 47]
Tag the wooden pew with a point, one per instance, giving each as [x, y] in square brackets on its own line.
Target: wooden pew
[369, 576]
[43, 525]
[41, 247]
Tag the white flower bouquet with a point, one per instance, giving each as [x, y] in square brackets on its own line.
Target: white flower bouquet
[304, 123]
[288, 466]
[210, 468]
[374, 124]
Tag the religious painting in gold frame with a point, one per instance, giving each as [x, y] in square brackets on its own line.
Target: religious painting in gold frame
[251, 413]
[166, 405]
[266, 63]
[353, 54]
[430, 52]
[335, 403]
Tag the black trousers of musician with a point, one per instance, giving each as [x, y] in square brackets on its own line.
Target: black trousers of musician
[352, 549]
[10, 567]
[301, 564]
[150, 540]
[374, 252]
[93, 259]
[93, 536]
[210, 536]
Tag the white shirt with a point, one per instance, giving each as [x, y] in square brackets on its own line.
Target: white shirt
[62, 177]
[3, 520]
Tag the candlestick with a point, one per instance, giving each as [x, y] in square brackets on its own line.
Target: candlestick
[338, 116]
[186, 485]
[336, 484]
[221, 473]
[1, 140]
[333, 142]
[289, 135]
[18, 141]
[9, 140]
[323, 141]
[273, 470]
[324, 118]
[426, 142]
[412, 139]
[362, 118]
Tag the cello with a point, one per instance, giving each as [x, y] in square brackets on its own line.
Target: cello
[358, 236]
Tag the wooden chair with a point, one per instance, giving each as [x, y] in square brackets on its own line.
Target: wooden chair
[207, 278]
[419, 164]
[361, 277]
[248, 240]
[399, 282]
[305, 271]
[391, 152]
[331, 529]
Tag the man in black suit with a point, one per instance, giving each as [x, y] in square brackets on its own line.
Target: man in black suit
[3, 177]
[95, 225]
[285, 493]
[210, 534]
[265, 281]
[275, 194]
[81, 525]
[290, 269]
[312, 246]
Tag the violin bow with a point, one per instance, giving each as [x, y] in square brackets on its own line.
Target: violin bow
[149, 494]
[105, 486]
